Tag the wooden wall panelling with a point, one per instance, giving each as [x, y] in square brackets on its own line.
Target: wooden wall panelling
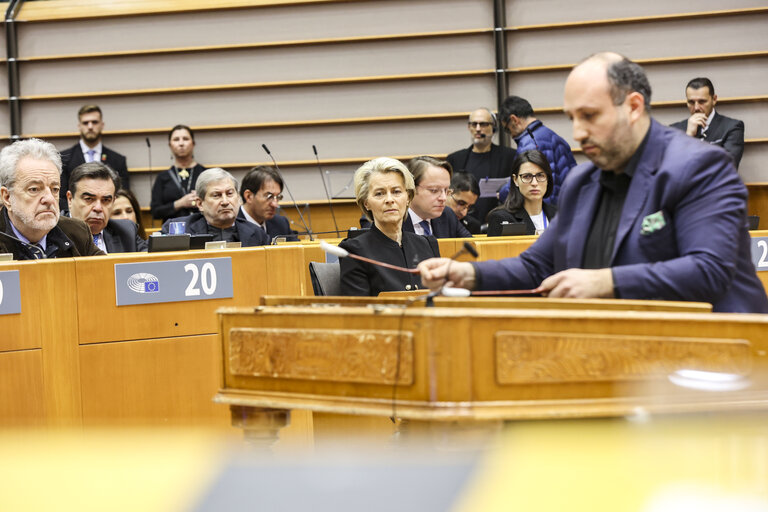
[639, 40]
[157, 382]
[530, 12]
[290, 22]
[21, 395]
[373, 58]
[100, 320]
[264, 105]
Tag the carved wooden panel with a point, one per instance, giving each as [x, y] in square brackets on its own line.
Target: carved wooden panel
[526, 358]
[340, 355]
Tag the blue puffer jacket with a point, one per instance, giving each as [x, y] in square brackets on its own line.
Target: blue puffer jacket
[554, 147]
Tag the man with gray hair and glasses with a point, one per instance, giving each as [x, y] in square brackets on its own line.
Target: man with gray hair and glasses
[30, 224]
[219, 202]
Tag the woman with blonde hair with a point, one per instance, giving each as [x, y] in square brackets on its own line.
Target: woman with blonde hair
[383, 189]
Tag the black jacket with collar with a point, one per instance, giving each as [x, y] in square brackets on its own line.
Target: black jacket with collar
[276, 226]
[68, 238]
[362, 278]
[723, 131]
[445, 226]
[122, 235]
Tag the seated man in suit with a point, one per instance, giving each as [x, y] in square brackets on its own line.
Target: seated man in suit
[218, 202]
[90, 197]
[30, 224]
[90, 149]
[261, 191]
[706, 124]
[653, 215]
[428, 214]
[464, 196]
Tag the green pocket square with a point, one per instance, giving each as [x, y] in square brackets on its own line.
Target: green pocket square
[652, 223]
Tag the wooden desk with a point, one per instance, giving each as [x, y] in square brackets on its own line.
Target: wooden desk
[448, 364]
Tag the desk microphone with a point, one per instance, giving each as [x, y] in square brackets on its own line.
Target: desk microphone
[285, 183]
[149, 159]
[343, 253]
[449, 291]
[325, 187]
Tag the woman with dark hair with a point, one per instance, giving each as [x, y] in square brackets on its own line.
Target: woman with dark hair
[173, 194]
[126, 206]
[531, 182]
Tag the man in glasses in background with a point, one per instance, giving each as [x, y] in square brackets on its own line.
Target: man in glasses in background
[261, 191]
[483, 159]
[465, 194]
[428, 214]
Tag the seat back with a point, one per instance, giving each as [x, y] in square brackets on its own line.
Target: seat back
[326, 278]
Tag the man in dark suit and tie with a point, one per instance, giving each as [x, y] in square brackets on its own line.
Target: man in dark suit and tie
[706, 124]
[90, 197]
[90, 149]
[261, 192]
[427, 214]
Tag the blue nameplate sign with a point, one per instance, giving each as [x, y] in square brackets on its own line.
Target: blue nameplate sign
[10, 292]
[152, 282]
[760, 253]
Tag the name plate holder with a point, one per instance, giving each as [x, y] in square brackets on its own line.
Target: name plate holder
[154, 282]
[10, 292]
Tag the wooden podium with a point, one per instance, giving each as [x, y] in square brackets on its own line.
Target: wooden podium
[454, 364]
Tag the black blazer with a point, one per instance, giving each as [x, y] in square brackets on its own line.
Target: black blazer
[361, 278]
[276, 226]
[445, 226]
[68, 238]
[166, 190]
[122, 235]
[499, 216]
[249, 234]
[72, 157]
[500, 167]
[726, 132]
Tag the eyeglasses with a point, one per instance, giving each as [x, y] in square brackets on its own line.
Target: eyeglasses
[436, 191]
[461, 204]
[527, 178]
[269, 197]
[481, 124]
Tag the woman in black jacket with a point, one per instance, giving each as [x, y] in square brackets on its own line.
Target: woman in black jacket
[384, 187]
[531, 182]
[173, 194]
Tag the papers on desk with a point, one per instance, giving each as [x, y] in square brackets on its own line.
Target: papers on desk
[489, 187]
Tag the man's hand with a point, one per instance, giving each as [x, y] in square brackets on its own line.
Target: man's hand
[433, 273]
[699, 119]
[578, 283]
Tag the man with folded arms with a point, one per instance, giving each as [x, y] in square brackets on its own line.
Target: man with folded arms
[655, 215]
[30, 224]
[90, 198]
[219, 202]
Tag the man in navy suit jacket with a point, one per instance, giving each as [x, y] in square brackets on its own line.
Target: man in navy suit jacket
[261, 192]
[656, 215]
[428, 214]
[708, 125]
[90, 149]
[90, 198]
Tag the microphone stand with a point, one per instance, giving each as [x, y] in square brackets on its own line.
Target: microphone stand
[285, 183]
